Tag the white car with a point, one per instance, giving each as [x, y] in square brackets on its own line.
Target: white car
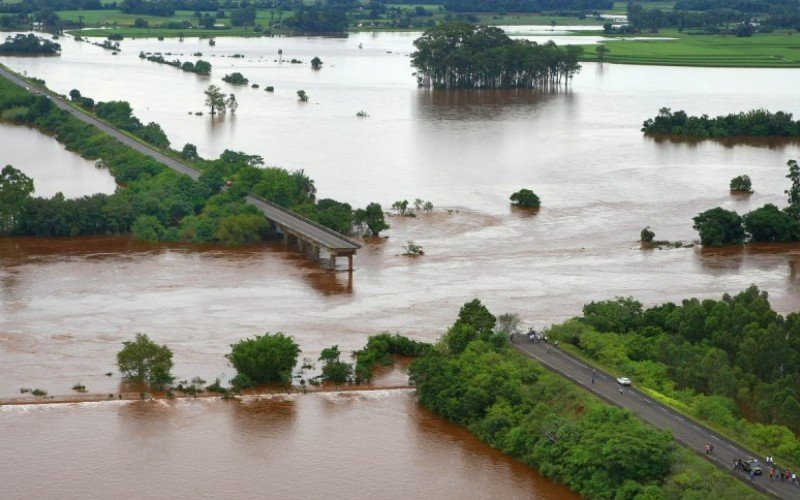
[624, 381]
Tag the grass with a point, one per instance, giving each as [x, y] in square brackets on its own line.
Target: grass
[769, 50]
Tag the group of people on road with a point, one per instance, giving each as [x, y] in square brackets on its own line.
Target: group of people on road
[709, 449]
[776, 472]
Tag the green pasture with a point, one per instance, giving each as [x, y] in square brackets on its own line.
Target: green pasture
[167, 33]
[772, 50]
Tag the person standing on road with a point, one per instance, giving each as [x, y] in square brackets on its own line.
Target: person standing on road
[752, 476]
[711, 448]
[707, 449]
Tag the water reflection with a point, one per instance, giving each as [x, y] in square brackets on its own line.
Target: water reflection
[482, 104]
[773, 143]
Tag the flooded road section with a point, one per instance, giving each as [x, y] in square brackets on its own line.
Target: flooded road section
[377, 444]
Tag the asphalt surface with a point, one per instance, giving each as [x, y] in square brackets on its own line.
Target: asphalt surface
[323, 236]
[688, 432]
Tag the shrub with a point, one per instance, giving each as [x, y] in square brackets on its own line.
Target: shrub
[263, 358]
[525, 198]
[741, 184]
[145, 361]
[647, 235]
[719, 227]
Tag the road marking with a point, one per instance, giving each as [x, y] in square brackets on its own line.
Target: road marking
[698, 428]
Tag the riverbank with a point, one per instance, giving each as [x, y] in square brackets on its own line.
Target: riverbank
[672, 48]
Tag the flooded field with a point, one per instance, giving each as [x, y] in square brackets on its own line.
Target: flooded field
[67, 305]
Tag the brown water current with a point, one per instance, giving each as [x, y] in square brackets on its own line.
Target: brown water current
[67, 305]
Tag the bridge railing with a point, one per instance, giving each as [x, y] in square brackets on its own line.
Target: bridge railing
[306, 220]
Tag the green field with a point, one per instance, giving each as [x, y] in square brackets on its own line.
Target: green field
[773, 50]
[167, 33]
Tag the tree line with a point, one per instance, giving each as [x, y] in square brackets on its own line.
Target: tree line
[526, 5]
[767, 224]
[717, 15]
[200, 67]
[733, 362]
[463, 56]
[153, 202]
[472, 377]
[754, 123]
[29, 44]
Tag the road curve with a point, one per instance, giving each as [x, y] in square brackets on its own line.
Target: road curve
[325, 237]
[688, 432]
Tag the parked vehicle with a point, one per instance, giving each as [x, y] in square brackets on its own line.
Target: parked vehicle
[624, 381]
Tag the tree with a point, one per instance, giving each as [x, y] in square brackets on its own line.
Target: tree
[647, 235]
[232, 103]
[769, 224]
[202, 67]
[215, 99]
[507, 323]
[794, 192]
[373, 217]
[525, 198]
[189, 152]
[718, 227]
[302, 96]
[602, 49]
[476, 315]
[316, 63]
[145, 361]
[334, 370]
[140, 23]
[741, 184]
[15, 191]
[263, 358]
[235, 78]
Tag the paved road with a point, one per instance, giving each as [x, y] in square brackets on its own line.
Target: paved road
[686, 431]
[323, 236]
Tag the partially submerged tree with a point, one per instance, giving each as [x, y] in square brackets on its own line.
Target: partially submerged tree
[232, 103]
[316, 63]
[142, 360]
[372, 217]
[647, 235]
[741, 184]
[333, 369]
[525, 198]
[302, 96]
[507, 323]
[15, 190]
[263, 358]
[718, 227]
[215, 99]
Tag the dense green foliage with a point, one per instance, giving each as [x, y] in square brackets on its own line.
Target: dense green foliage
[200, 67]
[334, 369]
[15, 191]
[327, 17]
[755, 123]
[526, 198]
[373, 218]
[29, 44]
[541, 419]
[526, 5]
[734, 363]
[718, 16]
[235, 78]
[464, 56]
[768, 224]
[741, 184]
[647, 235]
[719, 227]
[263, 358]
[380, 350]
[142, 360]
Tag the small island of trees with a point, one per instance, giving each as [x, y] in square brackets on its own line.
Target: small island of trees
[755, 123]
[29, 44]
[463, 56]
[200, 67]
[741, 184]
[235, 78]
[526, 198]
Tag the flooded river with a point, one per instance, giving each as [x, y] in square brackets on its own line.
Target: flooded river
[66, 305]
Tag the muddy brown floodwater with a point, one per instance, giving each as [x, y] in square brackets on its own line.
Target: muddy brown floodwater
[67, 305]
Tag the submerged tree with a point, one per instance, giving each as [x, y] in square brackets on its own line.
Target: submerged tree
[15, 190]
[463, 56]
[143, 360]
[525, 198]
[232, 103]
[372, 217]
[215, 99]
[741, 184]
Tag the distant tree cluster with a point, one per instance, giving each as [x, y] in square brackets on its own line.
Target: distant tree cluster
[526, 198]
[755, 123]
[464, 56]
[328, 17]
[200, 67]
[768, 224]
[526, 5]
[29, 44]
[235, 78]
